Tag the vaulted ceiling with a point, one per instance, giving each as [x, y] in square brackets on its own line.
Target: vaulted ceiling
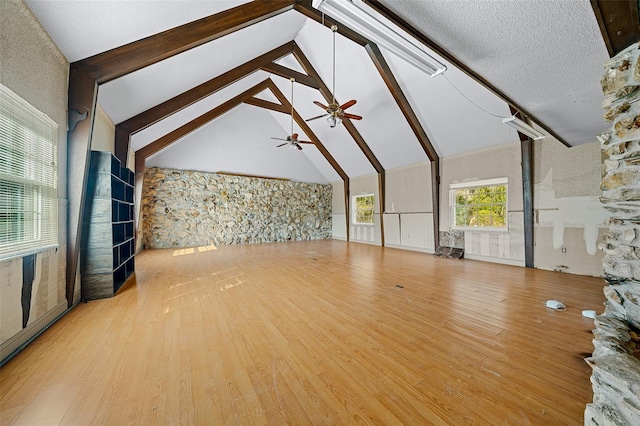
[543, 57]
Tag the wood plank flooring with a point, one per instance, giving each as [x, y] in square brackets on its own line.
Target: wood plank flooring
[322, 332]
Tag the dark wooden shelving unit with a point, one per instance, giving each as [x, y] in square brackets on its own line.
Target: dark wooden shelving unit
[108, 247]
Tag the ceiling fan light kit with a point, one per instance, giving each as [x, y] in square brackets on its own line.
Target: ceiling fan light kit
[292, 141]
[369, 23]
[334, 111]
[333, 121]
[523, 127]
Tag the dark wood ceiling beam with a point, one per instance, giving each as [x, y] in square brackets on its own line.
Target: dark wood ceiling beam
[182, 131]
[131, 57]
[267, 105]
[285, 72]
[382, 191]
[307, 131]
[125, 129]
[526, 157]
[375, 4]
[83, 95]
[403, 103]
[396, 91]
[326, 93]
[619, 23]
[435, 201]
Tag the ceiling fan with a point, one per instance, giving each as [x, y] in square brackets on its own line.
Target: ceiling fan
[334, 111]
[292, 140]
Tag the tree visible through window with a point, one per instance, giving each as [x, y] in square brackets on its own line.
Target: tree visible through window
[363, 209]
[480, 206]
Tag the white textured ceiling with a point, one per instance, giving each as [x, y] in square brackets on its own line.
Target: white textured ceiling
[546, 55]
[83, 28]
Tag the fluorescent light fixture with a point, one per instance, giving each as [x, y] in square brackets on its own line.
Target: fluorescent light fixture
[364, 20]
[523, 127]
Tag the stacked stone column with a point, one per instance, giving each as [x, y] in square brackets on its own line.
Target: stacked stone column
[615, 359]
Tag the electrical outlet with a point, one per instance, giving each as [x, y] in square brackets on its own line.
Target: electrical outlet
[564, 249]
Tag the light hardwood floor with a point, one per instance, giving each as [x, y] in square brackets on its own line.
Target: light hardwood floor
[323, 332]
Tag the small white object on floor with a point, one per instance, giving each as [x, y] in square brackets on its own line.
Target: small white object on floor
[555, 304]
[589, 313]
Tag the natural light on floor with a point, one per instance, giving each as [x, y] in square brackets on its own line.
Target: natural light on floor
[182, 252]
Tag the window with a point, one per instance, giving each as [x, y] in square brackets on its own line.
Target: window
[480, 204]
[28, 177]
[363, 209]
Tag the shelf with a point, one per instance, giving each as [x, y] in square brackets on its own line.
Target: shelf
[108, 263]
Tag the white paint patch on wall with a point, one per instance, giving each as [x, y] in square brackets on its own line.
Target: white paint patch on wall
[577, 212]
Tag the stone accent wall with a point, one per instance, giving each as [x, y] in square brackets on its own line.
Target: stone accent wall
[615, 360]
[187, 209]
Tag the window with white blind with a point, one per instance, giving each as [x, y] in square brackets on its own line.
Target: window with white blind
[28, 177]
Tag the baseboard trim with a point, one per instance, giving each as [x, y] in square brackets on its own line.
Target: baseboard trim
[512, 262]
[420, 249]
[20, 340]
[371, 243]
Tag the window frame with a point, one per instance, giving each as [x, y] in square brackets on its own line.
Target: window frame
[28, 178]
[502, 181]
[354, 210]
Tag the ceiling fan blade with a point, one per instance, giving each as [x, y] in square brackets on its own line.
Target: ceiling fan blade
[278, 139]
[346, 105]
[282, 144]
[307, 142]
[315, 118]
[320, 105]
[352, 116]
[299, 147]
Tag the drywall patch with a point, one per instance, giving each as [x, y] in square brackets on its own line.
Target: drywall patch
[577, 212]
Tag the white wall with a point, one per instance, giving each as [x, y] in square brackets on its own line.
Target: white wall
[338, 213]
[34, 69]
[569, 218]
[104, 132]
[408, 216]
[494, 162]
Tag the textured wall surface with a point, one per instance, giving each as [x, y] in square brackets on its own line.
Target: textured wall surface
[186, 209]
[569, 218]
[33, 68]
[615, 359]
[338, 209]
[409, 189]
